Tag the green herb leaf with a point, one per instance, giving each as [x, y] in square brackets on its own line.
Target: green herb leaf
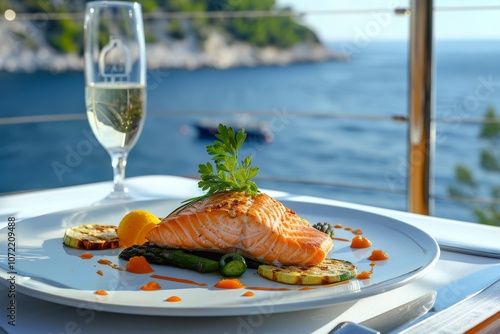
[229, 173]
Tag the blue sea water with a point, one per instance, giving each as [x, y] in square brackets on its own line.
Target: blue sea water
[343, 135]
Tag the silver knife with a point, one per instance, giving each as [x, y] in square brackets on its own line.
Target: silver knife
[450, 294]
[459, 291]
[388, 321]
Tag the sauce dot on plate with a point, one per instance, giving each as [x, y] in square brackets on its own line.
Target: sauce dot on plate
[364, 275]
[229, 283]
[86, 256]
[151, 286]
[360, 242]
[173, 299]
[378, 255]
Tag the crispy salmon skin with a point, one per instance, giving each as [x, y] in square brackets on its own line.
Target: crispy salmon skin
[258, 227]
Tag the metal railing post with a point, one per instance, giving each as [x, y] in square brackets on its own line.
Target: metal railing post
[421, 129]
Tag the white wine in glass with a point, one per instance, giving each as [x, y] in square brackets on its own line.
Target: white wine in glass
[115, 81]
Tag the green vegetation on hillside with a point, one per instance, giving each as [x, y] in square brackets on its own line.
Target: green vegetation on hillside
[67, 35]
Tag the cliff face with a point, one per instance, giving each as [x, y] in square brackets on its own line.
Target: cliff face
[219, 51]
[23, 48]
[177, 36]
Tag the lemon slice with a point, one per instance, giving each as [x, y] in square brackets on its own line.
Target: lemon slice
[134, 226]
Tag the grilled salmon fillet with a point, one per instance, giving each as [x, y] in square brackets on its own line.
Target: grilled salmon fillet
[258, 227]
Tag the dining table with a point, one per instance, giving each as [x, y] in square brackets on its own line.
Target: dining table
[462, 248]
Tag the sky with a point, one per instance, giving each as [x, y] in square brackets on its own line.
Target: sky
[374, 19]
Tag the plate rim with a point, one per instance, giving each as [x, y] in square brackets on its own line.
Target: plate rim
[235, 310]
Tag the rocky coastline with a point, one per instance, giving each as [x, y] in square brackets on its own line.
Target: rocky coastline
[216, 51]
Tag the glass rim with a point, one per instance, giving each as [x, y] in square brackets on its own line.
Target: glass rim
[114, 3]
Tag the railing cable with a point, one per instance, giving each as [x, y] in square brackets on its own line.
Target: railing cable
[245, 113]
[247, 13]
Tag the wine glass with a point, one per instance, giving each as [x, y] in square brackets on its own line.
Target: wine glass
[115, 81]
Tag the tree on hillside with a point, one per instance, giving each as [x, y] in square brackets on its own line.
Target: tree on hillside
[280, 31]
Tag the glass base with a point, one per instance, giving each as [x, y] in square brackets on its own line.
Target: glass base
[116, 196]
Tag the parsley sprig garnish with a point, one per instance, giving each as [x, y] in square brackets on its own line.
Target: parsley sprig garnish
[229, 173]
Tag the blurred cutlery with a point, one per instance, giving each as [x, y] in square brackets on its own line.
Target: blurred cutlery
[459, 291]
[448, 295]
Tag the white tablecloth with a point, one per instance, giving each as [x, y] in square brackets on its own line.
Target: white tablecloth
[38, 316]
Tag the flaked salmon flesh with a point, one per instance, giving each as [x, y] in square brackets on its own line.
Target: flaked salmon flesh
[258, 227]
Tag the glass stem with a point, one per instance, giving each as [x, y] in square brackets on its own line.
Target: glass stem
[119, 162]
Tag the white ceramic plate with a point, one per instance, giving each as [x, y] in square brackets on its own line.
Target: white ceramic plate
[46, 269]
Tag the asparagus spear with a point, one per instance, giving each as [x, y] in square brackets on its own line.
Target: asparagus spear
[253, 264]
[173, 257]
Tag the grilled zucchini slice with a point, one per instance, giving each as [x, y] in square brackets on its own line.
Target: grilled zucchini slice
[92, 236]
[328, 271]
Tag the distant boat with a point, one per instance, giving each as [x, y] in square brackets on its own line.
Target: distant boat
[255, 130]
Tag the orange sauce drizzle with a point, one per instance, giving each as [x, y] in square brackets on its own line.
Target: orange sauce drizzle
[99, 272]
[109, 263]
[248, 294]
[86, 256]
[338, 226]
[104, 261]
[360, 242]
[173, 299]
[306, 288]
[151, 286]
[378, 255]
[366, 274]
[341, 239]
[229, 283]
[178, 280]
[355, 231]
[101, 293]
[261, 288]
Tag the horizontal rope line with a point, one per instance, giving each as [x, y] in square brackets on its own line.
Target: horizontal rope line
[465, 8]
[338, 185]
[275, 113]
[243, 13]
[321, 183]
[41, 119]
[330, 184]
[483, 200]
[73, 117]
[480, 200]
